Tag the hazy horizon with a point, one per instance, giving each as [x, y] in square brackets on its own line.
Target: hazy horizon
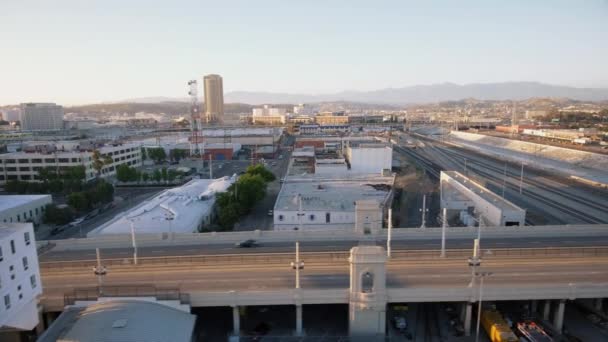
[107, 51]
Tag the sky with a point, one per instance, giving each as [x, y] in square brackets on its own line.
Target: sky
[75, 51]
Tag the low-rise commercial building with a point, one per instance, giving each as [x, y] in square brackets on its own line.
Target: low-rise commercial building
[23, 208]
[310, 202]
[183, 209]
[19, 277]
[25, 165]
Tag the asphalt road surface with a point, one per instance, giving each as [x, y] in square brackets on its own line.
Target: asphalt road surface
[320, 246]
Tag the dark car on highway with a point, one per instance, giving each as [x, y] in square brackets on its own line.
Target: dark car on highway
[247, 244]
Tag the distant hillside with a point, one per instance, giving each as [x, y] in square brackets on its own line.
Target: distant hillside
[430, 94]
[170, 108]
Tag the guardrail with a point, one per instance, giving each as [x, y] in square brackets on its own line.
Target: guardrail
[321, 257]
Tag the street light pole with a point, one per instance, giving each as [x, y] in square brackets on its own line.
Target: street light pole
[521, 178]
[133, 242]
[390, 233]
[297, 265]
[424, 211]
[443, 229]
[99, 271]
[482, 275]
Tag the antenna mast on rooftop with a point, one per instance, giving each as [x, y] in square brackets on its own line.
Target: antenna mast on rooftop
[194, 117]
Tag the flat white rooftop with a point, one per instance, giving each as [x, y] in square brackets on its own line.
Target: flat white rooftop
[122, 320]
[327, 193]
[14, 201]
[177, 210]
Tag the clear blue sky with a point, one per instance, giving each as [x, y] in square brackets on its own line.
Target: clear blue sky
[80, 51]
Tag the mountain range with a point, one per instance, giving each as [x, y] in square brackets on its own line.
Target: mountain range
[415, 94]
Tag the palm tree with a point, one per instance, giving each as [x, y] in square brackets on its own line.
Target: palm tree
[99, 162]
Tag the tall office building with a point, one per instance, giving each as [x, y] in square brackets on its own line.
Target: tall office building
[41, 117]
[214, 98]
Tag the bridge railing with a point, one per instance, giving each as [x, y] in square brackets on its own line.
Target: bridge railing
[93, 293]
[324, 258]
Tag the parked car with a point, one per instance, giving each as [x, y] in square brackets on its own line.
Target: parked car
[76, 222]
[400, 323]
[247, 244]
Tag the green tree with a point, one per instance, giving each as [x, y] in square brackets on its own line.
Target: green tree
[78, 201]
[177, 154]
[56, 215]
[157, 175]
[251, 189]
[144, 154]
[125, 173]
[228, 210]
[103, 192]
[157, 154]
[163, 173]
[145, 176]
[259, 169]
[171, 175]
[97, 162]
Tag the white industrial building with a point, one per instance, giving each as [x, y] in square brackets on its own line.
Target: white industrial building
[19, 277]
[24, 165]
[369, 157]
[470, 200]
[41, 117]
[23, 208]
[122, 319]
[244, 136]
[318, 202]
[184, 209]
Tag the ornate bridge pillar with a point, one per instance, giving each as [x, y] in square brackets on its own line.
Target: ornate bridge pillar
[367, 308]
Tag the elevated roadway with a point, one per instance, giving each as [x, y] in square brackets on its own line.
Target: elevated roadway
[267, 279]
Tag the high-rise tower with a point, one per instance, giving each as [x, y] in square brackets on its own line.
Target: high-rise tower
[214, 98]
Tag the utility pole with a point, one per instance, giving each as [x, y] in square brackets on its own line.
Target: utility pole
[424, 210]
[390, 232]
[504, 182]
[210, 166]
[521, 178]
[300, 213]
[99, 271]
[133, 243]
[443, 229]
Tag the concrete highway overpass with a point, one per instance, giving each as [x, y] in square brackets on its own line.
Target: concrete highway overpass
[265, 278]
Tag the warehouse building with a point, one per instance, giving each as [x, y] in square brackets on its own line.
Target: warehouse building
[23, 208]
[469, 200]
[184, 209]
[311, 202]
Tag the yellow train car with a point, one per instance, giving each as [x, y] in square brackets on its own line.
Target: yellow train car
[498, 330]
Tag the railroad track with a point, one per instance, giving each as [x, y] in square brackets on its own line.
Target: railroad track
[516, 177]
[498, 182]
[435, 169]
